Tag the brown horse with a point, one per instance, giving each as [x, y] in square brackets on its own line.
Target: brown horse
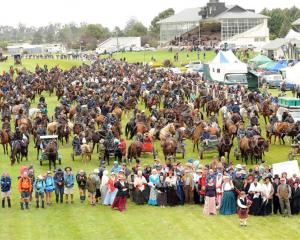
[5, 140]
[169, 148]
[246, 148]
[197, 133]
[86, 153]
[99, 120]
[134, 151]
[280, 129]
[230, 128]
[224, 146]
[52, 127]
[72, 112]
[51, 153]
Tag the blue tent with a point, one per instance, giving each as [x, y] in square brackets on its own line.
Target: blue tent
[278, 66]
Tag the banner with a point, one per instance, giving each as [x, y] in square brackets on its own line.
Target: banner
[290, 167]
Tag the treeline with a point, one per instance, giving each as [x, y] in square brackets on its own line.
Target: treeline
[281, 20]
[83, 35]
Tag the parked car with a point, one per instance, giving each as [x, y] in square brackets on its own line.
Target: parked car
[273, 80]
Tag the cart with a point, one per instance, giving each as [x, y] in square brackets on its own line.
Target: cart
[211, 146]
[45, 140]
[148, 146]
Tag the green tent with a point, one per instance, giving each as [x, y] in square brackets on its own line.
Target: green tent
[260, 59]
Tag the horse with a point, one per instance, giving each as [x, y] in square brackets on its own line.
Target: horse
[261, 146]
[140, 127]
[224, 145]
[134, 151]
[86, 153]
[51, 153]
[129, 129]
[96, 137]
[169, 147]
[19, 150]
[246, 148]
[279, 130]
[5, 140]
[52, 128]
[168, 130]
[197, 133]
[63, 131]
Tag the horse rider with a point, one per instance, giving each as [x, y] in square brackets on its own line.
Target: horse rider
[213, 118]
[17, 137]
[6, 125]
[101, 150]
[139, 137]
[40, 131]
[205, 136]
[254, 120]
[76, 144]
[288, 118]
[154, 112]
[235, 108]
[272, 121]
[241, 132]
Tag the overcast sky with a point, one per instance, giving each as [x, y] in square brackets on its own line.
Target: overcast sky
[109, 13]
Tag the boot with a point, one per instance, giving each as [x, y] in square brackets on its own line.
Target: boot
[9, 203]
[56, 199]
[43, 204]
[3, 203]
[62, 200]
[27, 205]
[22, 206]
[37, 204]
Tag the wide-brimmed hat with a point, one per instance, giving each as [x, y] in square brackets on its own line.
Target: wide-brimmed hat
[96, 170]
[68, 168]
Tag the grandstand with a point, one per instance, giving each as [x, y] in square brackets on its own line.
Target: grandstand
[213, 23]
[115, 44]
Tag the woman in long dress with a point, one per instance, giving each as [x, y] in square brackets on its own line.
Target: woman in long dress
[161, 188]
[140, 186]
[228, 202]
[255, 191]
[153, 180]
[111, 190]
[103, 186]
[172, 198]
[295, 203]
[267, 196]
[210, 198]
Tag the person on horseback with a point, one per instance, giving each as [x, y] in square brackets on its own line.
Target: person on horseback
[272, 121]
[76, 144]
[6, 125]
[241, 132]
[17, 137]
[205, 136]
[288, 118]
[236, 108]
[213, 118]
[154, 112]
[139, 137]
[101, 150]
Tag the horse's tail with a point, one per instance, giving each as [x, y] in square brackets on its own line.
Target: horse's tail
[129, 155]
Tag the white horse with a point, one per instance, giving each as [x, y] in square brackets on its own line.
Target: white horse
[166, 132]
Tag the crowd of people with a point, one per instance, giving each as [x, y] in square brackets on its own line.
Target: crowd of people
[217, 186]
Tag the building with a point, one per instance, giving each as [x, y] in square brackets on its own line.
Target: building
[115, 44]
[27, 48]
[215, 22]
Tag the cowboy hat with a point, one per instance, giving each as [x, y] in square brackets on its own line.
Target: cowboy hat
[68, 168]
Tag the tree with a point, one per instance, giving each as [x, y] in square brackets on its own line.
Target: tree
[135, 28]
[118, 32]
[37, 37]
[96, 31]
[154, 28]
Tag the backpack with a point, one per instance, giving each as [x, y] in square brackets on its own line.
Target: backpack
[25, 183]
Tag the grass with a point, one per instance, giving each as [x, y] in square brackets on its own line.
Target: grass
[160, 56]
[80, 221]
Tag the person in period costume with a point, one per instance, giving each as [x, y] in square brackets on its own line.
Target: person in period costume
[228, 202]
[111, 190]
[284, 194]
[267, 196]
[140, 183]
[188, 186]
[196, 177]
[219, 192]
[120, 200]
[293, 179]
[153, 180]
[103, 186]
[91, 187]
[202, 185]
[130, 180]
[5, 189]
[295, 199]
[210, 198]
[276, 205]
[255, 191]
[243, 208]
[172, 198]
[179, 188]
[39, 188]
[161, 188]
[96, 177]
[81, 181]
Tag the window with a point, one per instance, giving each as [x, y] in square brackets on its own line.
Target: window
[218, 70]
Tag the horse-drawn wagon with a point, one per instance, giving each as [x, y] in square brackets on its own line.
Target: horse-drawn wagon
[49, 150]
[209, 145]
[148, 146]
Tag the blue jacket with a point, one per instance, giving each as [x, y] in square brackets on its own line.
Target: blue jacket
[5, 184]
[69, 180]
[39, 186]
[49, 183]
[59, 178]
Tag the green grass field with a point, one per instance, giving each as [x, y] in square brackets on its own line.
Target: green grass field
[80, 221]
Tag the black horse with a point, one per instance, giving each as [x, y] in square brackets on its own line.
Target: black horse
[224, 146]
[51, 153]
[19, 151]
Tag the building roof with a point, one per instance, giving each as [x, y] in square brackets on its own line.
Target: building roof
[279, 42]
[296, 23]
[187, 15]
[235, 11]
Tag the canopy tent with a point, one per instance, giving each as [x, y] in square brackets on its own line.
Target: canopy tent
[292, 74]
[267, 65]
[278, 66]
[293, 35]
[260, 59]
[220, 58]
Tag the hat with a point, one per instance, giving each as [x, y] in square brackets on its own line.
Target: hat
[68, 168]
[40, 177]
[276, 176]
[96, 170]
[102, 141]
[239, 166]
[48, 172]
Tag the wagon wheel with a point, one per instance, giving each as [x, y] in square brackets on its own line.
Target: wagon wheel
[201, 151]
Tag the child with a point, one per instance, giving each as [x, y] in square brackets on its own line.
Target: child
[243, 208]
[5, 189]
